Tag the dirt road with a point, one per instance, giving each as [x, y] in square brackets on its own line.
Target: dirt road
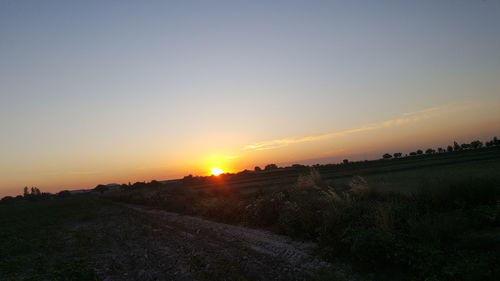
[148, 244]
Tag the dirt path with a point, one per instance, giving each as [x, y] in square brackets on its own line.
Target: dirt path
[148, 244]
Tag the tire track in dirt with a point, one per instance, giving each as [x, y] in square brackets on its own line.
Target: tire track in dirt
[151, 244]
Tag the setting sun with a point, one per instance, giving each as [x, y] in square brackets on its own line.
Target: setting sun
[217, 171]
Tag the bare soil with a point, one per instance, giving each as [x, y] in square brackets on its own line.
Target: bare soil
[149, 244]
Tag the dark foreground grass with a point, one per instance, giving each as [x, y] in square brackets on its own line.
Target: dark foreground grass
[445, 232]
[43, 240]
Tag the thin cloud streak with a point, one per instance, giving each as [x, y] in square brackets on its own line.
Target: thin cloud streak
[409, 117]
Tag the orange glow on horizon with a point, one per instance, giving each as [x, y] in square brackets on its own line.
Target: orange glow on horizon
[216, 171]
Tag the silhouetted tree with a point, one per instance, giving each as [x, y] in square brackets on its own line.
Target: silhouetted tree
[387, 156]
[63, 194]
[476, 144]
[456, 146]
[420, 151]
[449, 148]
[430, 151]
[139, 184]
[440, 150]
[100, 188]
[244, 172]
[125, 187]
[398, 155]
[270, 167]
[35, 191]
[257, 169]
[413, 153]
[345, 161]
[155, 183]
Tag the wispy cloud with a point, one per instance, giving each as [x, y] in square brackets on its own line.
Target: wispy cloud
[406, 118]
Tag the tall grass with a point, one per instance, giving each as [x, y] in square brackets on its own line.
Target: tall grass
[446, 232]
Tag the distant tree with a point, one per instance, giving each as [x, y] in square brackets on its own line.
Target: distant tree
[397, 155]
[244, 172]
[430, 151]
[476, 144]
[413, 153]
[270, 167]
[189, 179]
[440, 150]
[139, 184]
[465, 146]
[100, 188]
[35, 191]
[387, 156]
[155, 183]
[257, 169]
[345, 161]
[63, 194]
[449, 148]
[419, 152]
[456, 146]
[494, 142]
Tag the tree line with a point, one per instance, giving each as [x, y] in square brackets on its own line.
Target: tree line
[34, 193]
[456, 147]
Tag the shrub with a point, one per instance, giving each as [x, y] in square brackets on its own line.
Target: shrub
[446, 232]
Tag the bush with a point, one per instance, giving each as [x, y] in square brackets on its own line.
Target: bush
[448, 232]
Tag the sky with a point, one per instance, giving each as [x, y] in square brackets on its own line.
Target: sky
[116, 91]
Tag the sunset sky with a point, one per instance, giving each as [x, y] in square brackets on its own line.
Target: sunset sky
[116, 91]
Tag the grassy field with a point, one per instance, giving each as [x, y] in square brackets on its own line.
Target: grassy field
[402, 175]
[410, 180]
[429, 217]
[446, 232]
[43, 241]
